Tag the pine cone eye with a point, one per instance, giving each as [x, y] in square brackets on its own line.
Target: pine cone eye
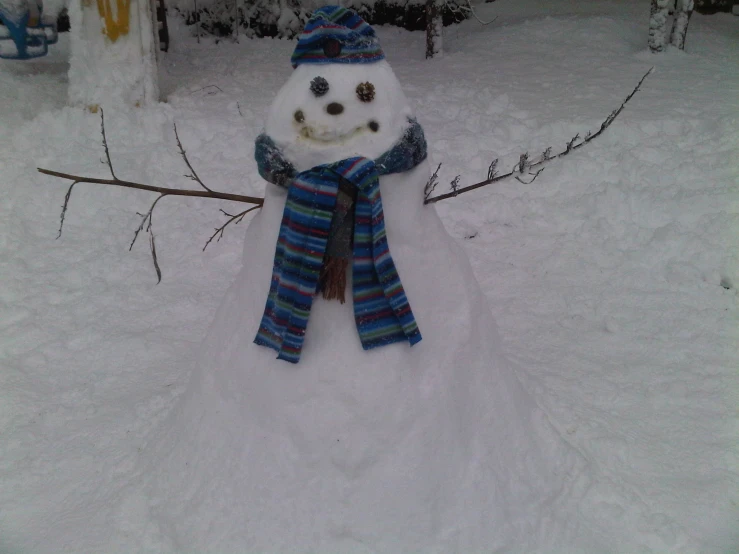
[319, 86]
[366, 92]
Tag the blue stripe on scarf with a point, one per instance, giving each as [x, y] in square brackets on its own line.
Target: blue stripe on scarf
[381, 309]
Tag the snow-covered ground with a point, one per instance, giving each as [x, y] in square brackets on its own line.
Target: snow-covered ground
[612, 277]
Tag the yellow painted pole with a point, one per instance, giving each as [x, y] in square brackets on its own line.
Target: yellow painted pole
[115, 24]
[113, 60]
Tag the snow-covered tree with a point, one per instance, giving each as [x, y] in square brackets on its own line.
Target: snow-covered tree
[434, 26]
[113, 53]
[683, 11]
[658, 16]
[285, 18]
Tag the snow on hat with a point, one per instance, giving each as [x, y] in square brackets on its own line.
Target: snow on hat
[337, 35]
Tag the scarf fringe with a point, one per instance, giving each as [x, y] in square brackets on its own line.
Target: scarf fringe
[333, 278]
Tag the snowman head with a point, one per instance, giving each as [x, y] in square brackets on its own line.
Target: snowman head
[343, 99]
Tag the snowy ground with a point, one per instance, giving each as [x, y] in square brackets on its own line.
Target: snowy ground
[612, 277]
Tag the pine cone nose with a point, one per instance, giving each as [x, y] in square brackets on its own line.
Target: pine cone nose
[334, 108]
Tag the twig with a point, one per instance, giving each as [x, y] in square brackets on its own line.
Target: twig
[105, 143]
[535, 175]
[614, 113]
[162, 190]
[232, 219]
[431, 184]
[523, 163]
[569, 145]
[153, 247]
[205, 87]
[193, 175]
[144, 218]
[493, 169]
[152, 244]
[64, 207]
[545, 156]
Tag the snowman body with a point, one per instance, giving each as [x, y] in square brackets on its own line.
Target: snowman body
[431, 448]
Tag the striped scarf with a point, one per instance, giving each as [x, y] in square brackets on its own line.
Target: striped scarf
[381, 310]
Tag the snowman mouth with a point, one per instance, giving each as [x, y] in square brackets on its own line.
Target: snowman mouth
[329, 135]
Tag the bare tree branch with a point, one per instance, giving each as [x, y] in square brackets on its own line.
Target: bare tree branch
[523, 163]
[207, 87]
[493, 169]
[153, 247]
[431, 184]
[193, 175]
[105, 144]
[64, 207]
[535, 175]
[146, 218]
[152, 244]
[162, 190]
[115, 181]
[235, 219]
[569, 145]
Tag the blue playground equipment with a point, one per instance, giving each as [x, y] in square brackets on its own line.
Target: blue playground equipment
[25, 32]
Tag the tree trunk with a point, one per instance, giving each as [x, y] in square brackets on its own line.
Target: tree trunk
[658, 25]
[113, 46]
[434, 27]
[680, 26]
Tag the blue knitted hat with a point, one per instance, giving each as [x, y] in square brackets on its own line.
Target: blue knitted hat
[337, 35]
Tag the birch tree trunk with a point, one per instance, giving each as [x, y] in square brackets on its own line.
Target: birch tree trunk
[683, 11]
[434, 26]
[658, 25]
[113, 53]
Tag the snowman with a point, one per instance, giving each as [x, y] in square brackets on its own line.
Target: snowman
[399, 426]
